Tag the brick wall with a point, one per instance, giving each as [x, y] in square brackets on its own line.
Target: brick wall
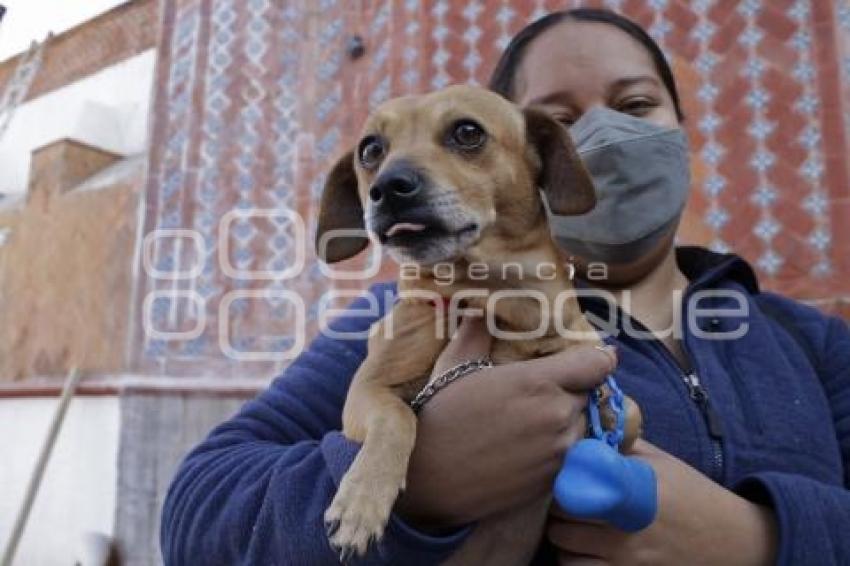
[66, 264]
[115, 35]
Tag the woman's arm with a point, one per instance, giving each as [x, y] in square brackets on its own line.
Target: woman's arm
[770, 517]
[813, 517]
[699, 523]
[255, 491]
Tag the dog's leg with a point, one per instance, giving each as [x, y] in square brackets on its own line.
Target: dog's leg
[363, 503]
[377, 415]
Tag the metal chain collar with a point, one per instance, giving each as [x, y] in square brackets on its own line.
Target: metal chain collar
[444, 379]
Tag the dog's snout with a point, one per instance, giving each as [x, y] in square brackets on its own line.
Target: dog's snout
[395, 184]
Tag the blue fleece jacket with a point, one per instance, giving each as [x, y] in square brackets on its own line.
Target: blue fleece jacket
[775, 429]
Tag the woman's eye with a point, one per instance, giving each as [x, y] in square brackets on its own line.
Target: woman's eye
[372, 150]
[637, 106]
[468, 135]
[565, 120]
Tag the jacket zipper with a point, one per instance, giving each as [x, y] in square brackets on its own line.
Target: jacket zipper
[700, 397]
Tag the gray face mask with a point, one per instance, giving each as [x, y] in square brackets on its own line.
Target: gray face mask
[642, 178]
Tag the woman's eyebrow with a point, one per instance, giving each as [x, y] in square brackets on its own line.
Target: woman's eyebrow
[562, 96]
[623, 83]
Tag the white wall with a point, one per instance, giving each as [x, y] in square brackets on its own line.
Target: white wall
[108, 110]
[78, 493]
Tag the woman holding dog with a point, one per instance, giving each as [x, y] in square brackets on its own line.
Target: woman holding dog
[749, 434]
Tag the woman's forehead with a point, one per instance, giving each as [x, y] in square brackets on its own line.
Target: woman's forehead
[580, 57]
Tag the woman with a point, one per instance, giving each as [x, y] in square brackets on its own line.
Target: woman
[750, 440]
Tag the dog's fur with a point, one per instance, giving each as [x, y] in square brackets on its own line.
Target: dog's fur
[486, 207]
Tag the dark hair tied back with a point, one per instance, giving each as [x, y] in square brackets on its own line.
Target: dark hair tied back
[504, 76]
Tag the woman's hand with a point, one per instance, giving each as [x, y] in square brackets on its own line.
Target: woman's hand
[495, 439]
[699, 522]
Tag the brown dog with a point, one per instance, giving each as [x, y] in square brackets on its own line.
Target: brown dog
[449, 177]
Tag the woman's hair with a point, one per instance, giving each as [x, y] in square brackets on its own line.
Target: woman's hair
[503, 78]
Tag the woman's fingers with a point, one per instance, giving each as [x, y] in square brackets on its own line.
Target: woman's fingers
[570, 559]
[586, 539]
[576, 369]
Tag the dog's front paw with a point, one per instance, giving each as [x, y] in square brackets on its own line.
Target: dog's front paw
[358, 515]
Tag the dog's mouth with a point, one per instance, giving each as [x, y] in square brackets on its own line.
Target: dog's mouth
[425, 239]
[406, 234]
[404, 228]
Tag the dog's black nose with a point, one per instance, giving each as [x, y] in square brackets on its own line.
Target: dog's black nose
[395, 184]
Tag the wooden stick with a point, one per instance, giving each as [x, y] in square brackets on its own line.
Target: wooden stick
[40, 465]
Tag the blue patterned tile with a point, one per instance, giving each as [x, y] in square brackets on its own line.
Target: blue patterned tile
[801, 40]
[714, 185]
[760, 129]
[751, 37]
[799, 11]
[327, 144]
[709, 123]
[770, 262]
[767, 229]
[749, 8]
[380, 93]
[765, 195]
[706, 62]
[804, 72]
[717, 218]
[704, 31]
[843, 14]
[822, 269]
[812, 169]
[762, 160]
[816, 203]
[701, 6]
[758, 98]
[820, 239]
[753, 69]
[505, 15]
[707, 93]
[810, 137]
[379, 21]
[380, 56]
[712, 153]
[660, 29]
[808, 103]
[719, 246]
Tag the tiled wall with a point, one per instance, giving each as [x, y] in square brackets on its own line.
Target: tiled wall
[255, 99]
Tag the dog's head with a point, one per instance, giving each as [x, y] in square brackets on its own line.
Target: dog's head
[436, 174]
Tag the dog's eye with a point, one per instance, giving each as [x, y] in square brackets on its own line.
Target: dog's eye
[371, 152]
[468, 135]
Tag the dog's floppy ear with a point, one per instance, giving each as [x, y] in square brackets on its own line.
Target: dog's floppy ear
[563, 178]
[340, 209]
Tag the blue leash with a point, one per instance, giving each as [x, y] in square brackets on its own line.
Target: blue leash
[616, 403]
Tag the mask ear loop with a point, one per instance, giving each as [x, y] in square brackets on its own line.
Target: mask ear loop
[615, 403]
